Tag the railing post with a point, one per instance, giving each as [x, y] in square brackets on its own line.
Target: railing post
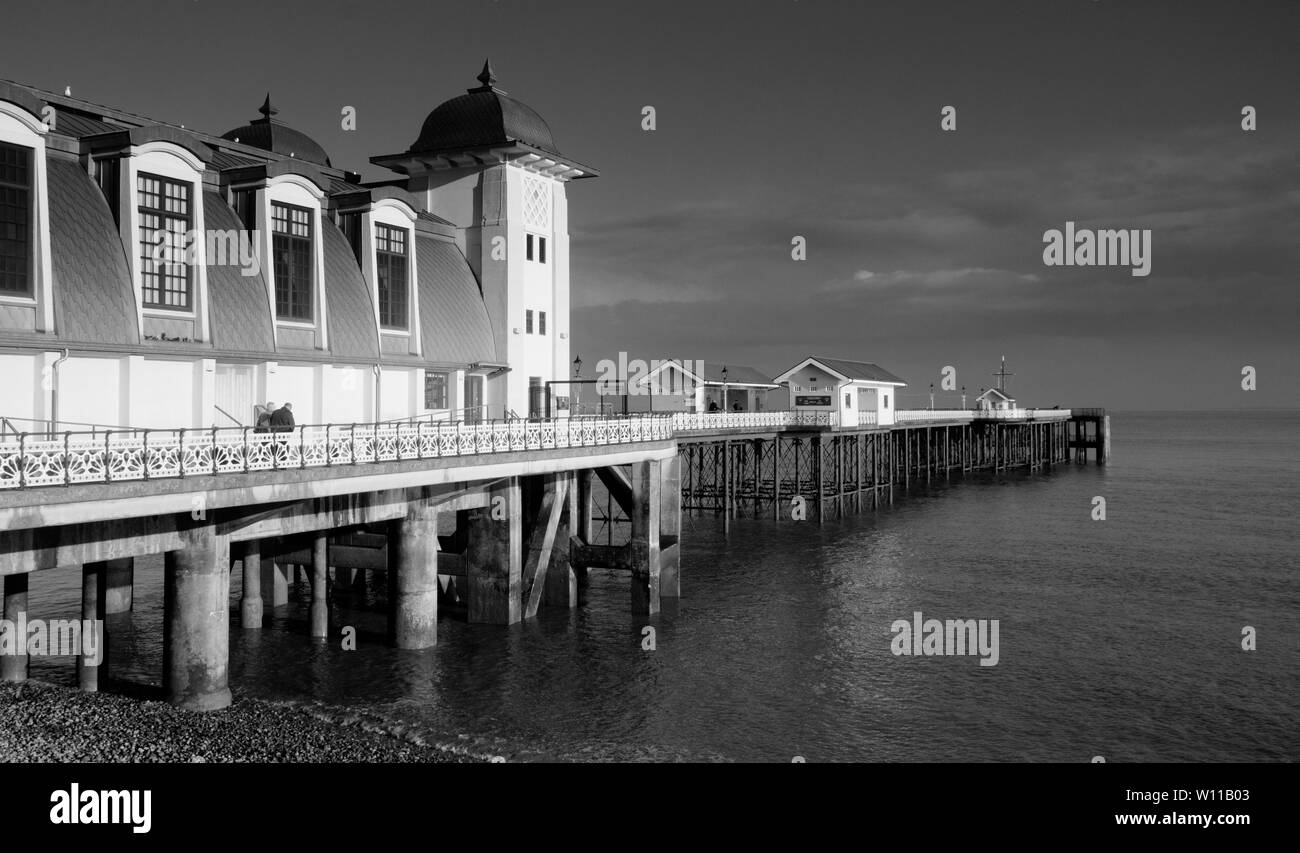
[108, 472]
[215, 467]
[67, 469]
[302, 447]
[180, 453]
[144, 454]
[244, 448]
[329, 457]
[22, 460]
[352, 441]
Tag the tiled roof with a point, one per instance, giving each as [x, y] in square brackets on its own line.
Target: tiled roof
[338, 185]
[454, 325]
[241, 313]
[94, 299]
[226, 160]
[433, 217]
[271, 135]
[480, 118]
[858, 370]
[741, 374]
[351, 314]
[75, 124]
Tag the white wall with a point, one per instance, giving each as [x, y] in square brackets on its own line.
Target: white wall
[295, 383]
[396, 399]
[20, 388]
[347, 395]
[160, 394]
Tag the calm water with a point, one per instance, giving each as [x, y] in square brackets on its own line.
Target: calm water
[1118, 638]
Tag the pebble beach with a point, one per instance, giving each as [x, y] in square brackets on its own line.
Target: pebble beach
[42, 722]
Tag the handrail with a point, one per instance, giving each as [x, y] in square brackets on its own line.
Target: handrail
[237, 421]
[92, 457]
[36, 459]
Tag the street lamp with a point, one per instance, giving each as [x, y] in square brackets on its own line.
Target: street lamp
[932, 396]
[577, 371]
[963, 397]
[724, 388]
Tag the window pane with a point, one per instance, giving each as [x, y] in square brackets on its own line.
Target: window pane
[15, 219]
[391, 272]
[164, 224]
[528, 322]
[291, 245]
[435, 390]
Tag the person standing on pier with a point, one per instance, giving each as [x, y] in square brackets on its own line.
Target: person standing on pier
[282, 418]
[263, 423]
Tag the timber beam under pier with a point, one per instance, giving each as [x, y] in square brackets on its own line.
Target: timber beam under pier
[823, 473]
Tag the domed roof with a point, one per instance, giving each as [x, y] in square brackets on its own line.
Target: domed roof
[270, 135]
[483, 116]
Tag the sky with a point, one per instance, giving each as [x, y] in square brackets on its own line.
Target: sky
[819, 120]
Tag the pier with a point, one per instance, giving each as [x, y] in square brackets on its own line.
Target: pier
[757, 464]
[338, 501]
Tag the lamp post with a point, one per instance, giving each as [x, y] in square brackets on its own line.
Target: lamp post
[963, 397]
[577, 371]
[932, 396]
[724, 389]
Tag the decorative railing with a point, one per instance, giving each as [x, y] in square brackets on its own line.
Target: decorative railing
[693, 421]
[915, 415]
[31, 460]
[108, 456]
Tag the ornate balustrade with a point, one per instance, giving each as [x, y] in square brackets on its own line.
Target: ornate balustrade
[30, 460]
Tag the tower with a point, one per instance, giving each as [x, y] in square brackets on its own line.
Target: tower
[487, 165]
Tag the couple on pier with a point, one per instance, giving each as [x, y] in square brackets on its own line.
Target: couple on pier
[271, 419]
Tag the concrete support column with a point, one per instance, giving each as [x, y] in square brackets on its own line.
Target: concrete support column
[92, 656]
[670, 525]
[250, 602]
[119, 595]
[644, 544]
[320, 609]
[275, 583]
[494, 556]
[414, 560]
[196, 621]
[561, 585]
[13, 667]
[582, 525]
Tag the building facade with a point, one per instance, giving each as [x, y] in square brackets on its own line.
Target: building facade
[850, 392]
[153, 276]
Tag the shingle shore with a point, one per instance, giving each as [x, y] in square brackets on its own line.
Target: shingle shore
[41, 722]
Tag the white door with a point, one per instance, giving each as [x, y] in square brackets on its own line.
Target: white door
[234, 396]
[867, 405]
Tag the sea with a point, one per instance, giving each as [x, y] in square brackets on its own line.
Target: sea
[1167, 631]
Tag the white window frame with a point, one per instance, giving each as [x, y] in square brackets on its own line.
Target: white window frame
[21, 128]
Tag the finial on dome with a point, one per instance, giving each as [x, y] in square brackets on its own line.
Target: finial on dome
[486, 77]
[266, 109]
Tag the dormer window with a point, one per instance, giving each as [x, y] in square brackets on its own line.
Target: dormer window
[165, 222]
[391, 274]
[15, 220]
[16, 237]
[291, 233]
